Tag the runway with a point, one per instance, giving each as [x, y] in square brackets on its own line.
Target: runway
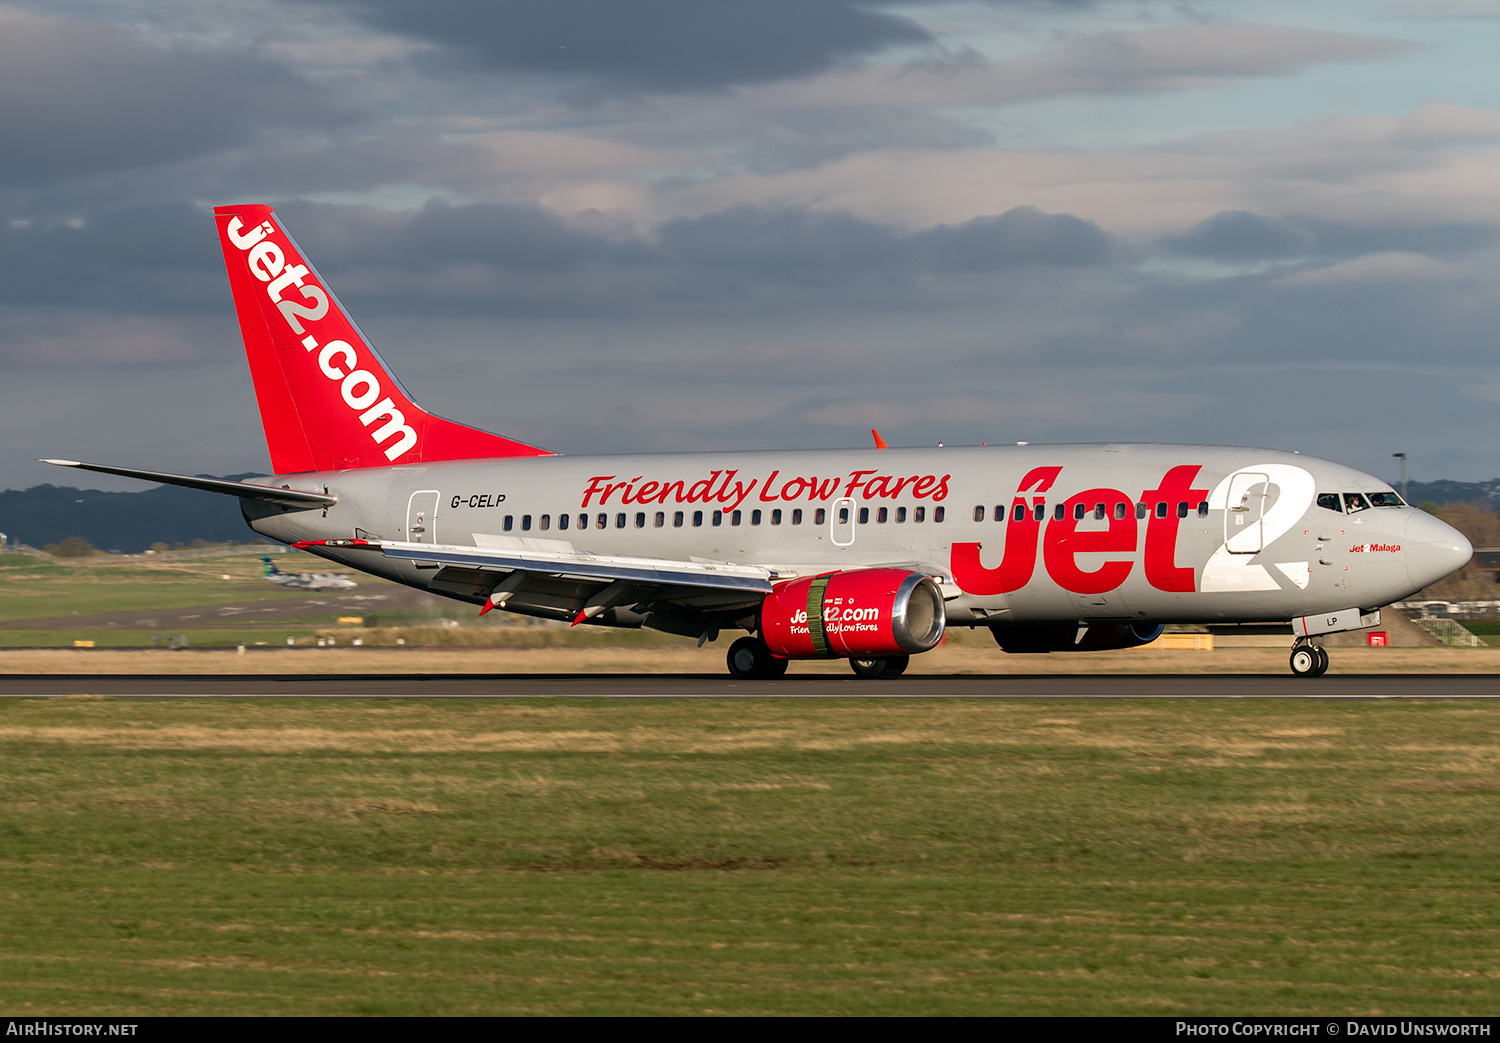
[711, 686]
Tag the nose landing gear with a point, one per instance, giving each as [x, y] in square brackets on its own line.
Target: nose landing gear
[1308, 659]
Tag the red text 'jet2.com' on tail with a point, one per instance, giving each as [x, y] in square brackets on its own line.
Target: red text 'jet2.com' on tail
[865, 555]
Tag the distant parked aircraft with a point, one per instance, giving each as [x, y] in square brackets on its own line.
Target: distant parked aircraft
[308, 580]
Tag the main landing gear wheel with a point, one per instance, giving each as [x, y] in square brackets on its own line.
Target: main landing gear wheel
[750, 660]
[895, 666]
[1309, 661]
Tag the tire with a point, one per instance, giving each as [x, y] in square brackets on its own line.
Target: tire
[1304, 661]
[750, 660]
[895, 666]
[1322, 667]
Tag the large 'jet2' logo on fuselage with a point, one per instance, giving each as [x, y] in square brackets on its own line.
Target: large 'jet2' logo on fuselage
[359, 388]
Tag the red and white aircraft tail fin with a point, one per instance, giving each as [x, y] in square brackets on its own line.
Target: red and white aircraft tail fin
[326, 399]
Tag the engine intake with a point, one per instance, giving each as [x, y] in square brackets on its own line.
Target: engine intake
[866, 613]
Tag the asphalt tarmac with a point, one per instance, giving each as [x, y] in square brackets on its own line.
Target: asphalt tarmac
[714, 686]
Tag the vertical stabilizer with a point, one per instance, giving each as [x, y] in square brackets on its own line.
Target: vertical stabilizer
[327, 401]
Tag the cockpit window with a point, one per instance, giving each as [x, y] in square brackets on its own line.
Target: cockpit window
[1386, 499]
[1330, 502]
[1355, 502]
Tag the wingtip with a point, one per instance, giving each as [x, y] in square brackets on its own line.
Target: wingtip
[61, 463]
[879, 442]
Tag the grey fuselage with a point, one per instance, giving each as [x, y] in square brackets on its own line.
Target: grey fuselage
[1248, 539]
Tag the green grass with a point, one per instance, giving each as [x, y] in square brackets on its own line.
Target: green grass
[31, 588]
[754, 856]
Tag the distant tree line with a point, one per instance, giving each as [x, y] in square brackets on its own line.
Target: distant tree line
[128, 522]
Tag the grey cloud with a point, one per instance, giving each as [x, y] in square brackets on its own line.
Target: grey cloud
[138, 259]
[1023, 235]
[743, 257]
[1238, 235]
[80, 98]
[1241, 236]
[670, 45]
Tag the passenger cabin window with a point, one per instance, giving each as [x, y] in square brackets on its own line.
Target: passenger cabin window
[979, 514]
[510, 520]
[1203, 508]
[882, 515]
[661, 518]
[1120, 510]
[583, 521]
[1161, 508]
[734, 517]
[999, 513]
[544, 522]
[1141, 510]
[843, 516]
[820, 516]
[755, 517]
[1079, 510]
[796, 515]
[1098, 511]
[1354, 502]
[718, 517]
[900, 515]
[525, 523]
[938, 514]
[1182, 508]
[1059, 512]
[1330, 502]
[1386, 499]
[1039, 511]
[1019, 514]
[697, 519]
[776, 516]
[919, 514]
[563, 519]
[601, 521]
[676, 519]
[620, 521]
[640, 519]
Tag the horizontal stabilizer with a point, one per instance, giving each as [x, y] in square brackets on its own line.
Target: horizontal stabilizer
[245, 491]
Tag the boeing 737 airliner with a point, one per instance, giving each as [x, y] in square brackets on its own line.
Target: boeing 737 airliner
[865, 555]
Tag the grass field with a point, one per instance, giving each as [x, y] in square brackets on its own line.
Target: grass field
[748, 857]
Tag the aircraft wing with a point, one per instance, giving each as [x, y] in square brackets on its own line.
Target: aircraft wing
[573, 585]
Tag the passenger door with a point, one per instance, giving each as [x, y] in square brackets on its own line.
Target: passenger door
[1245, 511]
[421, 516]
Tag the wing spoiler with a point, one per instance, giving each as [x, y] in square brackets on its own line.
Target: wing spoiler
[244, 490]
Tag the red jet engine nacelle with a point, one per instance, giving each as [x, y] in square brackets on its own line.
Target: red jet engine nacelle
[862, 614]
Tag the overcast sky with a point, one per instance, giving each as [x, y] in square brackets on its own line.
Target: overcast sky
[617, 225]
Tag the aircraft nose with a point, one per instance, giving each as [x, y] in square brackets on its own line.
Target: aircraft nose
[1434, 549]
